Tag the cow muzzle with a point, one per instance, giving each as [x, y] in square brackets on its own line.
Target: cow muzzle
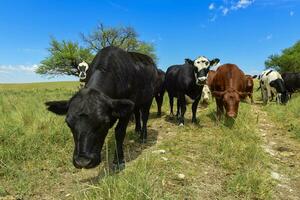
[82, 75]
[201, 80]
[232, 114]
[84, 161]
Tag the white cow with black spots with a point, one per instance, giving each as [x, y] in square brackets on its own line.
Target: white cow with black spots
[272, 82]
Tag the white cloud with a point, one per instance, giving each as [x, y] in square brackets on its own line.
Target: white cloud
[278, 3]
[269, 37]
[292, 13]
[18, 68]
[211, 6]
[225, 11]
[227, 6]
[242, 4]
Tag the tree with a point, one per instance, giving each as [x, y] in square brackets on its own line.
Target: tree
[123, 37]
[64, 56]
[287, 61]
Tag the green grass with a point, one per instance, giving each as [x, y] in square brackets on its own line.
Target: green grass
[219, 161]
[287, 116]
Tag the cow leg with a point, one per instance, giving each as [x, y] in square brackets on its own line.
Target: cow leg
[120, 132]
[194, 109]
[171, 101]
[145, 116]
[181, 100]
[251, 97]
[264, 94]
[137, 114]
[269, 94]
[159, 101]
[178, 108]
[220, 109]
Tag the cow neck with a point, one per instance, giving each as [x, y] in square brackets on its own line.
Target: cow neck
[98, 82]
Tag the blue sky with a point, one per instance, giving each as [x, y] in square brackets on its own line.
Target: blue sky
[243, 32]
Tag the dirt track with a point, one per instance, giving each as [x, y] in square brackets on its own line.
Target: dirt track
[285, 154]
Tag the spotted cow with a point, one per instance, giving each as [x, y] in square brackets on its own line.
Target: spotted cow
[187, 80]
[272, 82]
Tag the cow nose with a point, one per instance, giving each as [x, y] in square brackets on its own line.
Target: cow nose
[231, 114]
[202, 79]
[82, 161]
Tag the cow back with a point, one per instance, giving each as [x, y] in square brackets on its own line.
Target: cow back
[121, 74]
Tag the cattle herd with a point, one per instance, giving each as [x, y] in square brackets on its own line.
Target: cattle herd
[119, 84]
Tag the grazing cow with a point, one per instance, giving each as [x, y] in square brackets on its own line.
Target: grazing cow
[272, 82]
[228, 88]
[160, 90]
[187, 80]
[118, 82]
[291, 82]
[249, 87]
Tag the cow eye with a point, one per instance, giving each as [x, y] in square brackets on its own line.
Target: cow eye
[83, 115]
[204, 61]
[198, 62]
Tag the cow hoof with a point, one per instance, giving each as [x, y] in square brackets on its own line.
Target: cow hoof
[181, 124]
[118, 166]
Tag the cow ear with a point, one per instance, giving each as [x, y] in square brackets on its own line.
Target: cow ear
[121, 108]
[189, 61]
[255, 76]
[243, 95]
[214, 62]
[58, 107]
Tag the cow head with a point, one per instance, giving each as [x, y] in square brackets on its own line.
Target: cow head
[82, 67]
[231, 100]
[201, 68]
[89, 115]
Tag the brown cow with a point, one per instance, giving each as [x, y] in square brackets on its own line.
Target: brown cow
[228, 87]
[249, 87]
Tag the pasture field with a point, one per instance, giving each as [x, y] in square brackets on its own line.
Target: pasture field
[256, 157]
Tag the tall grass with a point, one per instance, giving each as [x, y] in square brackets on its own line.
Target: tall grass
[219, 160]
[287, 116]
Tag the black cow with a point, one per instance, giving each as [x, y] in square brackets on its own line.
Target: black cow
[187, 80]
[84, 76]
[291, 82]
[160, 90]
[118, 83]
